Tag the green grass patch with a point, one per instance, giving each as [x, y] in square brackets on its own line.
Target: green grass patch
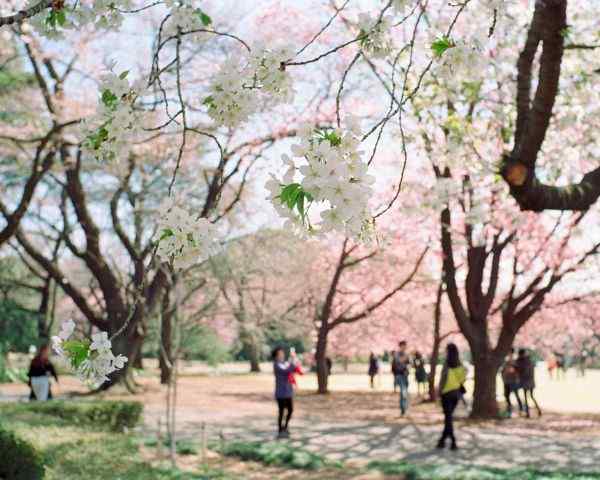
[276, 453]
[116, 416]
[462, 472]
[74, 451]
[182, 447]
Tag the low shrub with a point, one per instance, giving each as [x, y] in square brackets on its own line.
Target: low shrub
[276, 453]
[19, 460]
[116, 416]
[182, 447]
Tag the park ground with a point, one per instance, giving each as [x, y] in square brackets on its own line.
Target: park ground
[356, 425]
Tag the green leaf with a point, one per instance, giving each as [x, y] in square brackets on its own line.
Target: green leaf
[77, 350]
[440, 45]
[109, 99]
[210, 101]
[288, 191]
[56, 17]
[61, 18]
[204, 18]
[566, 32]
[300, 205]
[51, 19]
[95, 140]
[166, 233]
[124, 74]
[330, 135]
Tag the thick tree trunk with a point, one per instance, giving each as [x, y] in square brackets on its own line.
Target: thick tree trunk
[251, 350]
[130, 345]
[254, 361]
[138, 361]
[484, 395]
[321, 359]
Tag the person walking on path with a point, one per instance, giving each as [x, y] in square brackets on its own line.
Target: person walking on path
[284, 389]
[402, 361]
[526, 371]
[420, 373]
[451, 387]
[510, 378]
[373, 368]
[39, 373]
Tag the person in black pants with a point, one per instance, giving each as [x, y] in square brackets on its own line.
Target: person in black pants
[284, 390]
[526, 370]
[373, 368]
[451, 389]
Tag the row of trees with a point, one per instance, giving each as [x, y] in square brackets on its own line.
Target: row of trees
[451, 237]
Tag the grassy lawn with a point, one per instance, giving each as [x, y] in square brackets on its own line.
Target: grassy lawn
[74, 452]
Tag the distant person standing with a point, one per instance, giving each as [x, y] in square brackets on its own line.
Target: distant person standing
[393, 368]
[284, 389]
[561, 365]
[582, 364]
[451, 389]
[373, 368]
[402, 362]
[551, 365]
[526, 371]
[420, 373]
[39, 373]
[510, 378]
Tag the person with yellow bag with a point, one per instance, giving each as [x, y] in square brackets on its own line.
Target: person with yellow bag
[451, 389]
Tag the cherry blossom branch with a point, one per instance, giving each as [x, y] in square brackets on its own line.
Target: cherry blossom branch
[27, 13]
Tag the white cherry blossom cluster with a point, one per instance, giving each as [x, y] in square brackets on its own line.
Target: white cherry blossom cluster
[332, 173]
[267, 68]
[184, 239]
[184, 17]
[108, 133]
[92, 361]
[376, 40]
[76, 14]
[243, 83]
[231, 101]
[463, 59]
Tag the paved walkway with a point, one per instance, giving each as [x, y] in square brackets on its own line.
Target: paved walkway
[360, 442]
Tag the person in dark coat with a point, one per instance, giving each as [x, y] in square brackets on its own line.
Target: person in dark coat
[526, 371]
[40, 369]
[284, 390]
[510, 378]
[373, 368]
[420, 373]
